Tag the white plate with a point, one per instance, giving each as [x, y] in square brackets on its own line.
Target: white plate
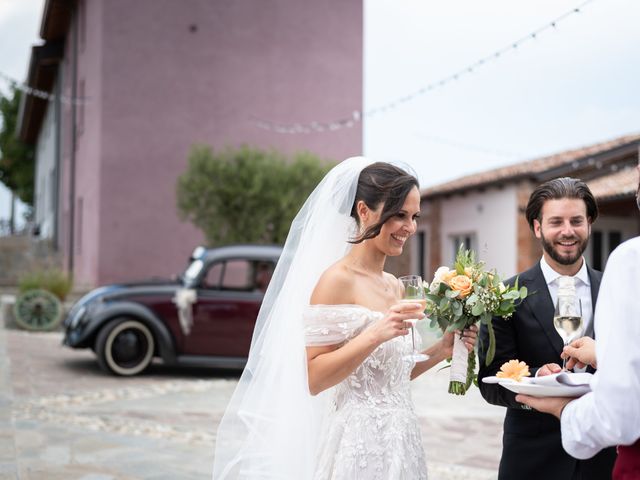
[546, 390]
[536, 390]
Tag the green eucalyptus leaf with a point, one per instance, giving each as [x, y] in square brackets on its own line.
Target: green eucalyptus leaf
[444, 303]
[443, 324]
[477, 309]
[492, 343]
[457, 308]
[452, 293]
[511, 295]
[432, 298]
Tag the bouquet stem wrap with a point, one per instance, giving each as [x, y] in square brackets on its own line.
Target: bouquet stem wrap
[462, 367]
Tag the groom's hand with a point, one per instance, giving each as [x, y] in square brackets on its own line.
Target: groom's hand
[552, 405]
[548, 369]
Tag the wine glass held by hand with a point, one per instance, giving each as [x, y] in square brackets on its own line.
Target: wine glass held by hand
[567, 320]
[413, 293]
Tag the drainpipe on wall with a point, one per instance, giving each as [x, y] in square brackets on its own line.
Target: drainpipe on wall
[56, 162]
[72, 160]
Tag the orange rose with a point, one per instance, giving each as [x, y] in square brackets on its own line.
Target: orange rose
[461, 283]
[446, 278]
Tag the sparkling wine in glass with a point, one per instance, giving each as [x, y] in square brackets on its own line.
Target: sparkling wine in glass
[567, 319]
[414, 293]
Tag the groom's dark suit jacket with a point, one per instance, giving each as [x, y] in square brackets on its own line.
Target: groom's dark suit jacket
[531, 443]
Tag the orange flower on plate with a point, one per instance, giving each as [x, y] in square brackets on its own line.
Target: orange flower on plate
[514, 370]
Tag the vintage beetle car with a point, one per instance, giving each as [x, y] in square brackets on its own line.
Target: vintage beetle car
[203, 317]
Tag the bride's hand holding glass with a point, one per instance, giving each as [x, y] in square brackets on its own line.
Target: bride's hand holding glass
[413, 293]
[395, 322]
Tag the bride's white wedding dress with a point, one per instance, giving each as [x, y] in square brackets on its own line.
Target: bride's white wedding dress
[371, 431]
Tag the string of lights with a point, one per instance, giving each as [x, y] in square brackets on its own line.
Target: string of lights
[468, 146]
[44, 95]
[357, 115]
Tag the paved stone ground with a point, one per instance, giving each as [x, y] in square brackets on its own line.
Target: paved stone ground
[61, 417]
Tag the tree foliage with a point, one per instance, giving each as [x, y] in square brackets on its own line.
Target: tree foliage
[17, 159]
[246, 195]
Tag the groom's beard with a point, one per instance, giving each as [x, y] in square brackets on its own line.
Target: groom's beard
[550, 248]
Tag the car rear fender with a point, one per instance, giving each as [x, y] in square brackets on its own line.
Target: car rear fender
[113, 310]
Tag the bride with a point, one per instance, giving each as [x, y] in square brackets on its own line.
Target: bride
[325, 394]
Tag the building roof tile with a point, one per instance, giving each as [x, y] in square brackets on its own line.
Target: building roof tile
[620, 184]
[531, 168]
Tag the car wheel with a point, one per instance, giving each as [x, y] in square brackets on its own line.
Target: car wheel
[125, 347]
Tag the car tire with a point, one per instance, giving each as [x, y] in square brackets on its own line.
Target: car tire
[125, 347]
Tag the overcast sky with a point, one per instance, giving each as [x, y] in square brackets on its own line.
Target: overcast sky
[573, 85]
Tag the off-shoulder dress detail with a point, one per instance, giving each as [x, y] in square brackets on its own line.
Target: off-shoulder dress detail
[372, 431]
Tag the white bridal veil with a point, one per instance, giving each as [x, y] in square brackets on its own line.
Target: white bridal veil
[272, 424]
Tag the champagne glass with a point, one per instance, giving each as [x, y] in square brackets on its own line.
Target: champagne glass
[414, 293]
[567, 319]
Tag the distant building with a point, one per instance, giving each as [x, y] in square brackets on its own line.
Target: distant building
[153, 78]
[485, 211]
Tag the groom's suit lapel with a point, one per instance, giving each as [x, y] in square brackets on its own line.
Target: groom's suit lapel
[541, 305]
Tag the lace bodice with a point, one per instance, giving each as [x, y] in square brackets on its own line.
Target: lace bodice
[383, 378]
[372, 432]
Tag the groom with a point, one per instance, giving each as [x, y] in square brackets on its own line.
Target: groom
[560, 213]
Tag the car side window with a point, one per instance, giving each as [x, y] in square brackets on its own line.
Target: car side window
[262, 273]
[213, 276]
[237, 275]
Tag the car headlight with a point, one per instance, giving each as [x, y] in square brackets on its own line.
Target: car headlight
[77, 317]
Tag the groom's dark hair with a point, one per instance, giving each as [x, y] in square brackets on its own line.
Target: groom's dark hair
[556, 189]
[381, 183]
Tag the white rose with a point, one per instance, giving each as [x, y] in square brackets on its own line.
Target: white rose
[437, 278]
[440, 273]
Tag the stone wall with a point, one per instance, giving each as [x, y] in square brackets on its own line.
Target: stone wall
[23, 254]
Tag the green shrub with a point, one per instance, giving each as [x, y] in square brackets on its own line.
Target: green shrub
[246, 195]
[54, 281]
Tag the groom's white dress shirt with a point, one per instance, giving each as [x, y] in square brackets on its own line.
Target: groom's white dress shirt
[610, 414]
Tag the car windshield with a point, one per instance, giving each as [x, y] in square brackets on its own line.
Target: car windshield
[193, 270]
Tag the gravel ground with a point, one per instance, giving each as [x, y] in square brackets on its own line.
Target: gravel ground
[61, 417]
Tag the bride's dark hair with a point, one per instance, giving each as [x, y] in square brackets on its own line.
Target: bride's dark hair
[381, 183]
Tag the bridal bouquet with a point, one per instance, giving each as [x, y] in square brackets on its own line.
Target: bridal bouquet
[460, 297]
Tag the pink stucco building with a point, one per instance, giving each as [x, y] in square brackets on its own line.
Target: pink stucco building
[158, 76]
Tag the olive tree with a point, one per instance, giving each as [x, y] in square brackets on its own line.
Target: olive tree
[246, 195]
[17, 159]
